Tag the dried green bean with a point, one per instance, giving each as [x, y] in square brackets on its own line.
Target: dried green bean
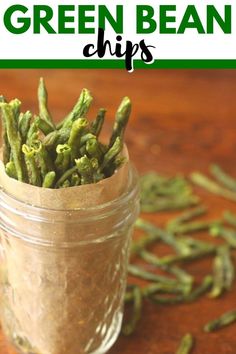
[221, 322]
[6, 145]
[49, 180]
[186, 344]
[97, 124]
[32, 168]
[229, 235]
[44, 126]
[111, 154]
[212, 187]
[129, 328]
[137, 271]
[75, 180]
[185, 298]
[85, 169]
[66, 184]
[186, 216]
[14, 139]
[179, 273]
[223, 178]
[121, 121]
[223, 275]
[230, 218]
[79, 110]
[194, 255]
[43, 104]
[163, 235]
[77, 130]
[63, 159]
[11, 170]
[33, 131]
[24, 124]
[43, 158]
[194, 226]
[66, 176]
[93, 149]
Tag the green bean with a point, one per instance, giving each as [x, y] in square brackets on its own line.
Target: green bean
[65, 184]
[144, 242]
[162, 288]
[163, 235]
[85, 170]
[194, 227]
[223, 271]
[93, 149]
[75, 180]
[16, 105]
[24, 124]
[33, 171]
[227, 234]
[43, 158]
[44, 126]
[223, 178]
[179, 273]
[77, 130]
[129, 328]
[43, 104]
[63, 159]
[186, 216]
[194, 255]
[212, 187]
[221, 322]
[201, 289]
[137, 271]
[79, 110]
[187, 245]
[5, 142]
[185, 298]
[65, 176]
[97, 174]
[230, 218]
[97, 124]
[85, 138]
[186, 344]
[33, 131]
[121, 120]
[166, 204]
[14, 139]
[11, 169]
[49, 180]
[111, 154]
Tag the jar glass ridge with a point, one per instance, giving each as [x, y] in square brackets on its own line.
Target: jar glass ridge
[63, 273]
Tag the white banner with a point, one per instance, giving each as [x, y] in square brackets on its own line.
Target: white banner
[193, 43]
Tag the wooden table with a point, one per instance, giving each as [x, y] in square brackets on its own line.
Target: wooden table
[182, 120]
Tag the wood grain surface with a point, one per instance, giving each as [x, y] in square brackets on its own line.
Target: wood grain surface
[182, 120]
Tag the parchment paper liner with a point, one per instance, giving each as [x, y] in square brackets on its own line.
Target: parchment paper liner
[68, 198]
[65, 300]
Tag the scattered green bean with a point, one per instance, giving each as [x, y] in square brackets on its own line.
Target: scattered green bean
[186, 344]
[221, 322]
[223, 178]
[212, 187]
[223, 272]
[129, 327]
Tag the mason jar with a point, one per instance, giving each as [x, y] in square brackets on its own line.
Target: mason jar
[65, 296]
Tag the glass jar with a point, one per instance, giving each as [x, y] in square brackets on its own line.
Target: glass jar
[62, 297]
